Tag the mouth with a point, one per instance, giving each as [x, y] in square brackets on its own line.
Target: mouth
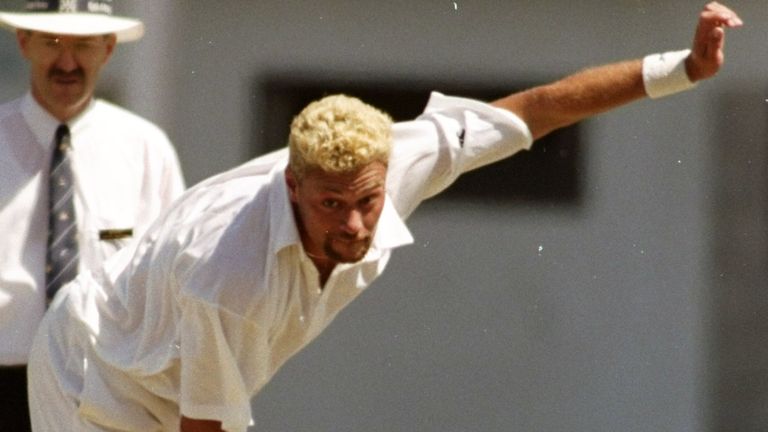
[346, 249]
[351, 240]
[66, 81]
[67, 78]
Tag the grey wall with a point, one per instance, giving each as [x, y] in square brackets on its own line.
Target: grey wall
[636, 310]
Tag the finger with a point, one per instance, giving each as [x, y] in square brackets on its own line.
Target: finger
[710, 32]
[706, 36]
[721, 16]
[714, 46]
[731, 16]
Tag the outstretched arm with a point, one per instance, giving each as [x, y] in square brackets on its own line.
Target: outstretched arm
[599, 89]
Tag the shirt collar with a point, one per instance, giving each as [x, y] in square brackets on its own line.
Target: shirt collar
[281, 219]
[43, 125]
[391, 231]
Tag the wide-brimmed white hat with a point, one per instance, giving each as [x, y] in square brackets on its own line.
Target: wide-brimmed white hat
[73, 17]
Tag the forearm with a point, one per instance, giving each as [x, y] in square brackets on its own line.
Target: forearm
[593, 91]
[576, 97]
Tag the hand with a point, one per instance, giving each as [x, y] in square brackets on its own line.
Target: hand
[707, 52]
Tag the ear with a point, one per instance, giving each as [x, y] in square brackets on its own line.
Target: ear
[111, 42]
[22, 38]
[292, 183]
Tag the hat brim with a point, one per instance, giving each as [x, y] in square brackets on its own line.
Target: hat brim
[75, 24]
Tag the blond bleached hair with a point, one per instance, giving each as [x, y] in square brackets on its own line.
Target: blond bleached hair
[338, 134]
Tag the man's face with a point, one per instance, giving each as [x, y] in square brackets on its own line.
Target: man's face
[337, 213]
[64, 69]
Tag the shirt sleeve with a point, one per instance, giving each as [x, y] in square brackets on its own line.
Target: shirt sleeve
[452, 136]
[218, 366]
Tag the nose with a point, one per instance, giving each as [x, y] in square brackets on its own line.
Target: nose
[66, 60]
[352, 222]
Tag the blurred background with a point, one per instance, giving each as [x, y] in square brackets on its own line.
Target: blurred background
[627, 295]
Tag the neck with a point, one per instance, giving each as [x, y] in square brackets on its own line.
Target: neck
[62, 113]
[323, 264]
[318, 257]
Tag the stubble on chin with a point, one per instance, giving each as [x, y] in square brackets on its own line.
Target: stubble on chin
[353, 256]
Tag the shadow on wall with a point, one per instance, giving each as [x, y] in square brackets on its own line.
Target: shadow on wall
[551, 172]
[739, 327]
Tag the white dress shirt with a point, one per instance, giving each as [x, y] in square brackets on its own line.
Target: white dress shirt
[126, 172]
[197, 317]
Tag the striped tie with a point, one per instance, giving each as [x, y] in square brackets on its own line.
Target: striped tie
[62, 255]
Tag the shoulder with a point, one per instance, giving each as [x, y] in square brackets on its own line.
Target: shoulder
[203, 212]
[216, 202]
[128, 133]
[9, 108]
[225, 230]
[107, 113]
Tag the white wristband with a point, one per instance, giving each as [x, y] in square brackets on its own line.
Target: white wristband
[664, 74]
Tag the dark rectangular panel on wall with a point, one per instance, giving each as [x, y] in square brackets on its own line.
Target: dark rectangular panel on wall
[551, 172]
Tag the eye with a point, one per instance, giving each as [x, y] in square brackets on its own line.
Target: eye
[330, 203]
[51, 42]
[85, 45]
[369, 200]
